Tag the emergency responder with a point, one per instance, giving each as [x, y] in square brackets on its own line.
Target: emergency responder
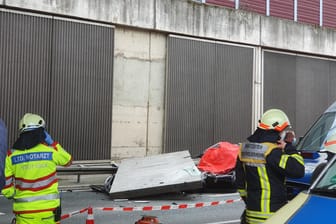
[262, 166]
[31, 173]
[3, 150]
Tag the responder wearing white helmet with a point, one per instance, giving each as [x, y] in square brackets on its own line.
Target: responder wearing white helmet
[263, 163]
[274, 119]
[32, 162]
[30, 122]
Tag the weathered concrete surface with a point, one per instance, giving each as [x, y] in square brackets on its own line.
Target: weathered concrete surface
[200, 20]
[138, 13]
[156, 93]
[207, 21]
[138, 93]
[289, 35]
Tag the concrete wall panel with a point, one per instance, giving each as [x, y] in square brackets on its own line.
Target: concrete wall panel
[131, 79]
[131, 72]
[207, 21]
[138, 13]
[158, 47]
[156, 93]
[132, 44]
[127, 152]
[155, 103]
[129, 126]
[131, 82]
[155, 127]
[139, 77]
[288, 35]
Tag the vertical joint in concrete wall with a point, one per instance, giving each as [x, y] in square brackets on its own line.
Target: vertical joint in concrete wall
[148, 95]
[321, 12]
[257, 96]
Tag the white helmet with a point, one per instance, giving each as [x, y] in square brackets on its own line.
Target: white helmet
[274, 119]
[31, 122]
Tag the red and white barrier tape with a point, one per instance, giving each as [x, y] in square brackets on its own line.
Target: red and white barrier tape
[69, 215]
[168, 207]
[153, 208]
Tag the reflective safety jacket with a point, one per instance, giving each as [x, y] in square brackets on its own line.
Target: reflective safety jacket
[261, 170]
[31, 177]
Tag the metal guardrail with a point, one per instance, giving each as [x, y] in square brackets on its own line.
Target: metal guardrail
[87, 169]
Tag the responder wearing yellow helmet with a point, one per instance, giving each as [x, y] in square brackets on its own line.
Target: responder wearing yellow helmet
[31, 173]
[262, 166]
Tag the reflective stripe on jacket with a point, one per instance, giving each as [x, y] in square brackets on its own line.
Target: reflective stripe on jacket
[31, 178]
[261, 171]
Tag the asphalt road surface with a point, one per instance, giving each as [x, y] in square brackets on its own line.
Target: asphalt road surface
[74, 201]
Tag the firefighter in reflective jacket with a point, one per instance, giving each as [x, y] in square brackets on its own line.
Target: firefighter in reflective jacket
[262, 166]
[31, 173]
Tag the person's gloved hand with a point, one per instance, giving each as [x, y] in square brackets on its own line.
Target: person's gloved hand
[48, 138]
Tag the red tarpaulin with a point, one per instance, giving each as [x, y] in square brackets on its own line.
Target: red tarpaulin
[219, 158]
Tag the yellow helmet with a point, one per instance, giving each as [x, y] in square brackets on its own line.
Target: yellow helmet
[274, 119]
[330, 143]
[30, 122]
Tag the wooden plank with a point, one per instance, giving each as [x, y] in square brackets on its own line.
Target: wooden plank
[164, 173]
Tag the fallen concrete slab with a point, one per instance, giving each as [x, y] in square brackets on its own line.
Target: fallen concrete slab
[152, 175]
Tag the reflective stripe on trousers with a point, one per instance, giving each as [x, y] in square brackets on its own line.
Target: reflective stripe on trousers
[256, 217]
